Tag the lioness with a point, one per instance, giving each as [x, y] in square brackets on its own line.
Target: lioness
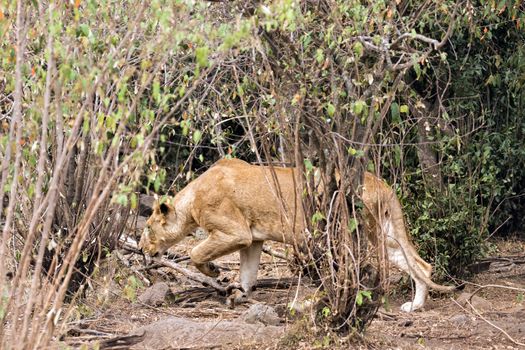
[240, 207]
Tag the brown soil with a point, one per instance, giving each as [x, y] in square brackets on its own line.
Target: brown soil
[198, 318]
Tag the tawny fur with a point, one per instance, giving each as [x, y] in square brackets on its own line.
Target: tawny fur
[241, 205]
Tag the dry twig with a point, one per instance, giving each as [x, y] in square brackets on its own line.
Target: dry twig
[495, 286]
[493, 325]
[133, 269]
[274, 253]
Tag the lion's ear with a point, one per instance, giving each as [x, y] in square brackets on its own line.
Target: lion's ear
[164, 208]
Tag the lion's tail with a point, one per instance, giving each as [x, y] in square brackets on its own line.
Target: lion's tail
[439, 287]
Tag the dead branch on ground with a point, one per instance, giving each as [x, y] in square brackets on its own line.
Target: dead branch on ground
[205, 280]
[494, 326]
[477, 313]
[122, 342]
[133, 269]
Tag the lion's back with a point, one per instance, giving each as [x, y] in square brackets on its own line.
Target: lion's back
[251, 188]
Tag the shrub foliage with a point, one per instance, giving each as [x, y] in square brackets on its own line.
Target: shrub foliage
[101, 100]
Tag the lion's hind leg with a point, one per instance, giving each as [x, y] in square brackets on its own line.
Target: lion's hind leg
[419, 297]
[398, 258]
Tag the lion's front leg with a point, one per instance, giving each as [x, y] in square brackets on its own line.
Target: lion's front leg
[216, 245]
[213, 247]
[250, 258]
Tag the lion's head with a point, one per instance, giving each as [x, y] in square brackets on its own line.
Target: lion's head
[162, 230]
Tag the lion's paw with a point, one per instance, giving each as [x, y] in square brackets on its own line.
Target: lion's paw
[214, 270]
[410, 307]
[209, 269]
[237, 295]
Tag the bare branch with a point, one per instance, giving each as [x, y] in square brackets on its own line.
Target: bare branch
[274, 253]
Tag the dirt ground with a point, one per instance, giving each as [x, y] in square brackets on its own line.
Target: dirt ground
[194, 317]
[449, 322]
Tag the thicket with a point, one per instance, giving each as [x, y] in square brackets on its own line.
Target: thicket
[476, 125]
[102, 100]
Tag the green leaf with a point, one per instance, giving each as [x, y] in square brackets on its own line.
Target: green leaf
[361, 295]
[240, 90]
[352, 225]
[156, 91]
[197, 136]
[359, 107]
[355, 152]
[31, 190]
[330, 109]
[83, 30]
[397, 155]
[417, 69]
[134, 200]
[182, 91]
[122, 199]
[358, 49]
[403, 109]
[156, 184]
[359, 299]
[394, 111]
[185, 124]
[318, 216]
[308, 166]
[201, 55]
[326, 311]
[319, 56]
[111, 123]
[85, 125]
[122, 92]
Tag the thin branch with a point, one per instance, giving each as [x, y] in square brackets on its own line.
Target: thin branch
[274, 253]
[133, 269]
[41, 173]
[16, 123]
[420, 37]
[493, 325]
[522, 290]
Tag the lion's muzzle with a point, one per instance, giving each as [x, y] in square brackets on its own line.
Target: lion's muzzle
[146, 245]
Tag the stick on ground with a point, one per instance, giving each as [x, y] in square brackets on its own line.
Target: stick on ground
[205, 280]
